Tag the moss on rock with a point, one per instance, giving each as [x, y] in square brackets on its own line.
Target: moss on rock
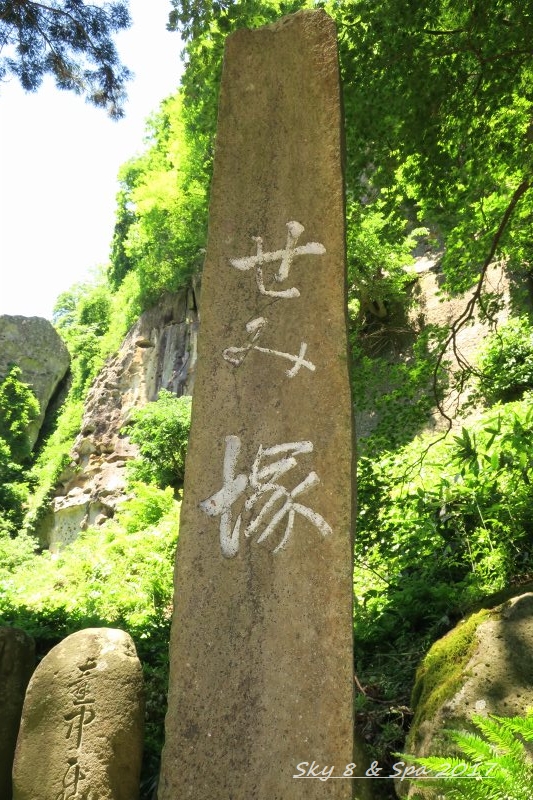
[483, 666]
[442, 671]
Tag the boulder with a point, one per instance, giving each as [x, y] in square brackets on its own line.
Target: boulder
[17, 662]
[33, 344]
[483, 666]
[84, 706]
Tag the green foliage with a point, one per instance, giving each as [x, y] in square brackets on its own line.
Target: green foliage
[53, 458]
[506, 363]
[14, 551]
[437, 100]
[13, 492]
[398, 387]
[82, 317]
[161, 430]
[18, 408]
[497, 761]
[379, 251]
[436, 533]
[119, 575]
[146, 508]
[161, 221]
[71, 41]
[467, 506]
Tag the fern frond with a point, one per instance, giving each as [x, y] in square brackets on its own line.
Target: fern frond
[502, 738]
[435, 763]
[518, 725]
[472, 745]
[498, 756]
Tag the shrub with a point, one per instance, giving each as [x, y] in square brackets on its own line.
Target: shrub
[18, 408]
[437, 533]
[118, 575]
[14, 551]
[146, 508]
[506, 364]
[161, 429]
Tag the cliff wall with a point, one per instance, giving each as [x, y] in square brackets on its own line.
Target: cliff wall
[158, 352]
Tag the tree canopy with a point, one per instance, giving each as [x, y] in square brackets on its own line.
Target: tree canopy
[438, 106]
[70, 40]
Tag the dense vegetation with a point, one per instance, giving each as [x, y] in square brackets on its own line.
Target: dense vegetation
[18, 408]
[116, 576]
[439, 151]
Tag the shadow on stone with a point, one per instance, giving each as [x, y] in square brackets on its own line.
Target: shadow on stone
[17, 662]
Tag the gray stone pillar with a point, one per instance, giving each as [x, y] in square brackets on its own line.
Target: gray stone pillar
[17, 662]
[83, 719]
[261, 648]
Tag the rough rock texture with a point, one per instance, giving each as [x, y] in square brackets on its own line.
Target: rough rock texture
[34, 345]
[82, 723]
[261, 649]
[158, 352]
[397, 335]
[436, 310]
[17, 662]
[483, 666]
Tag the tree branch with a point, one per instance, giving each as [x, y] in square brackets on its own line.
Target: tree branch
[469, 309]
[444, 33]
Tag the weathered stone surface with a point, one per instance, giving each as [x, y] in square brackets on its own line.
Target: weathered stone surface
[261, 650]
[158, 352]
[483, 666]
[35, 346]
[17, 662]
[395, 337]
[82, 722]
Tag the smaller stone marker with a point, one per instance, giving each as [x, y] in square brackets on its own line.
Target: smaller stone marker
[17, 662]
[82, 722]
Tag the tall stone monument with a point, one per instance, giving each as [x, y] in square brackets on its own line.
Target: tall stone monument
[261, 650]
[81, 734]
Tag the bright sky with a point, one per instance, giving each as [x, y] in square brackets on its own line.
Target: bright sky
[59, 159]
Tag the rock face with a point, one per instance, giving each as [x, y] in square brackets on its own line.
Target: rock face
[158, 352]
[17, 662]
[82, 722]
[34, 345]
[395, 339]
[483, 666]
[261, 649]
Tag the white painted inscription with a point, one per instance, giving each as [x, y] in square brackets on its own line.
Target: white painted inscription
[236, 355]
[285, 257]
[280, 507]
